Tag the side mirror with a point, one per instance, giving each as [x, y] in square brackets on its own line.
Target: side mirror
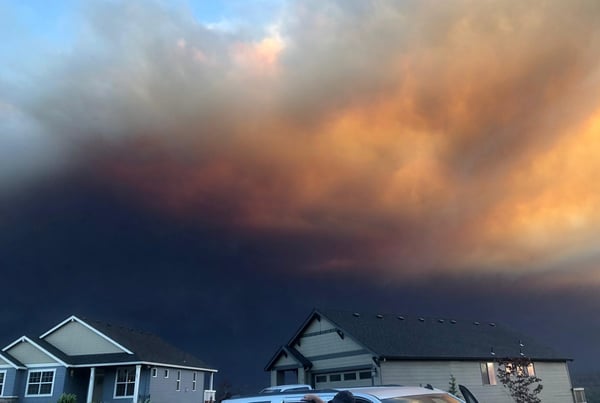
[469, 398]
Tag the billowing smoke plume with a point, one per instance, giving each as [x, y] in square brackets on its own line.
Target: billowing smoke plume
[409, 137]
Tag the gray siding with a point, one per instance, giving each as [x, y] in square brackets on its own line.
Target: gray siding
[10, 378]
[555, 378]
[321, 339]
[28, 354]
[163, 390]
[75, 339]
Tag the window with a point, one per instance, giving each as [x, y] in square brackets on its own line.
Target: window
[154, 372]
[178, 382]
[125, 383]
[579, 395]
[166, 373]
[335, 378]
[40, 383]
[321, 378]
[2, 376]
[350, 376]
[364, 375]
[194, 381]
[531, 369]
[488, 375]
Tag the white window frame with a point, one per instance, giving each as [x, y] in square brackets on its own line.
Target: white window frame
[126, 383]
[3, 372]
[166, 373]
[178, 382]
[154, 372]
[194, 381]
[41, 371]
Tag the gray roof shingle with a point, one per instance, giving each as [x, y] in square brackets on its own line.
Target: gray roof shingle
[406, 337]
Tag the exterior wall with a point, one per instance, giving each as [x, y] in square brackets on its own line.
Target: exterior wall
[163, 390]
[76, 382]
[75, 339]
[328, 351]
[28, 354]
[555, 378]
[57, 389]
[10, 378]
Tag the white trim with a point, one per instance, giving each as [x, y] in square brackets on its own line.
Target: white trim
[74, 318]
[9, 363]
[112, 364]
[178, 381]
[166, 373]
[3, 382]
[154, 372]
[25, 339]
[53, 370]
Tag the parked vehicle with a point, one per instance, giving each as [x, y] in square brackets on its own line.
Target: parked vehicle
[373, 394]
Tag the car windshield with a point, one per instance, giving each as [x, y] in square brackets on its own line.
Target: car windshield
[432, 398]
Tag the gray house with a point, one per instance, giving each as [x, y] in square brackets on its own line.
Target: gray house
[101, 363]
[345, 349]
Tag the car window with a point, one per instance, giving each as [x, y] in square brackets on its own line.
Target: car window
[432, 398]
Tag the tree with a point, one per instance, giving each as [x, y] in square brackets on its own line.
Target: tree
[516, 374]
[453, 387]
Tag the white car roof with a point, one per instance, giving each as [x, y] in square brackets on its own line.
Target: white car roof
[387, 392]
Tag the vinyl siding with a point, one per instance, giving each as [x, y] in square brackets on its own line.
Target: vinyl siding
[320, 339]
[57, 389]
[163, 390]
[28, 354]
[10, 377]
[75, 339]
[285, 361]
[554, 377]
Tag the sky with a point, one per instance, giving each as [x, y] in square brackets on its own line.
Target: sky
[213, 170]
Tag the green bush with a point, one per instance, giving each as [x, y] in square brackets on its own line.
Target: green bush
[67, 398]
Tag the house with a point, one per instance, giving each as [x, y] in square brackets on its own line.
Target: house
[101, 363]
[345, 349]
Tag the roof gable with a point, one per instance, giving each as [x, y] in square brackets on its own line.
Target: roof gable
[28, 352]
[7, 361]
[404, 337]
[75, 337]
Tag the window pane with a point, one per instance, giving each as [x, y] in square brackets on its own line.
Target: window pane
[335, 378]
[47, 376]
[121, 375]
[120, 389]
[365, 375]
[35, 376]
[131, 376]
[33, 389]
[350, 376]
[129, 389]
[321, 378]
[45, 388]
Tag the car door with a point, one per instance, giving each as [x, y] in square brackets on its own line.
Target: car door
[469, 398]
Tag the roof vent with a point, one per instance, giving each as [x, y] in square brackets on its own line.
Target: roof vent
[421, 319]
[453, 322]
[379, 316]
[441, 320]
[492, 324]
[356, 314]
[492, 351]
[401, 317]
[476, 323]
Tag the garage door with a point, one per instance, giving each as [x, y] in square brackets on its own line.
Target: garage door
[344, 379]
